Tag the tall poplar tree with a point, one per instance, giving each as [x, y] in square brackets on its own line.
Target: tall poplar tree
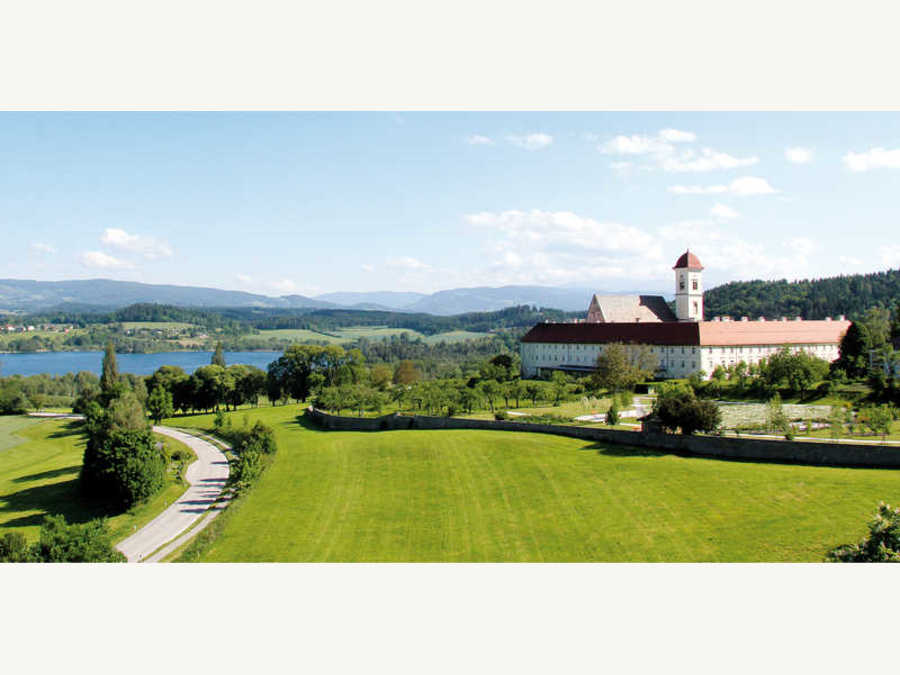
[109, 381]
[218, 359]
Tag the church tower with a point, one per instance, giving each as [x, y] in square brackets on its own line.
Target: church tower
[688, 288]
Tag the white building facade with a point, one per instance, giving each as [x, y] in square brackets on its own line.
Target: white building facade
[684, 346]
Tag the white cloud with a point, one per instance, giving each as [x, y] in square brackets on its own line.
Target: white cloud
[750, 185]
[724, 252]
[707, 159]
[850, 260]
[620, 166]
[368, 268]
[890, 255]
[148, 247]
[723, 212]
[476, 139]
[876, 158]
[802, 247]
[43, 248]
[662, 151]
[677, 136]
[101, 260]
[245, 278]
[407, 263]
[535, 141]
[556, 247]
[697, 189]
[798, 155]
[742, 187]
[635, 145]
[284, 286]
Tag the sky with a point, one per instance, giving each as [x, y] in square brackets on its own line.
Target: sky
[310, 203]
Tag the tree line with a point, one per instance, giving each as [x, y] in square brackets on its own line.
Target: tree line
[850, 295]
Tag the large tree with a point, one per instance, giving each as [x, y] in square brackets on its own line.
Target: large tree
[620, 367]
[159, 404]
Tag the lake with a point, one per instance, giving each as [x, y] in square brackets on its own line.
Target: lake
[60, 363]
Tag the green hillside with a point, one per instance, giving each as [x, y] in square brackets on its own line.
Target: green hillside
[811, 299]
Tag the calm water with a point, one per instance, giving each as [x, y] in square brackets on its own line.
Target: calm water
[60, 363]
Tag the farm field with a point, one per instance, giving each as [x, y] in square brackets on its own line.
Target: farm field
[500, 496]
[156, 325]
[455, 336]
[345, 335]
[56, 336]
[39, 476]
[297, 335]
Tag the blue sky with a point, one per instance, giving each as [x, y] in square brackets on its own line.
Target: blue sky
[309, 203]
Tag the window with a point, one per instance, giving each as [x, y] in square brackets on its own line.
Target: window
[694, 285]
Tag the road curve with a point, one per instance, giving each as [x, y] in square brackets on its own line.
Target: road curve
[207, 477]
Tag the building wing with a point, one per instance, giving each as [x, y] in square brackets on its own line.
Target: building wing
[734, 333]
[629, 309]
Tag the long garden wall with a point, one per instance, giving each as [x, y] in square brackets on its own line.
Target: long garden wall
[805, 452]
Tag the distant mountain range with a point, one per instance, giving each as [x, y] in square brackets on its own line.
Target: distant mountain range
[105, 294]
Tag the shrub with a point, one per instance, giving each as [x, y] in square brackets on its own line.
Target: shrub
[14, 548]
[625, 399]
[882, 544]
[62, 542]
[245, 469]
[681, 409]
[260, 436]
[612, 415]
[13, 400]
[219, 421]
[500, 415]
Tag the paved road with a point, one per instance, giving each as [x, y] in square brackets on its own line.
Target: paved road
[206, 477]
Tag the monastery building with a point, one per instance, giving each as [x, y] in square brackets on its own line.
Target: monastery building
[683, 342]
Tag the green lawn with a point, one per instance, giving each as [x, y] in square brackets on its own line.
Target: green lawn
[500, 496]
[39, 464]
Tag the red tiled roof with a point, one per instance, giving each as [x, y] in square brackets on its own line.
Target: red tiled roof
[707, 333]
[771, 332]
[650, 333]
[688, 260]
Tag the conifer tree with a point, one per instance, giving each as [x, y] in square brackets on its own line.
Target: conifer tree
[109, 381]
[218, 358]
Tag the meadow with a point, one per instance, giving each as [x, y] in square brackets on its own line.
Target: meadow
[39, 465]
[492, 496]
[344, 336]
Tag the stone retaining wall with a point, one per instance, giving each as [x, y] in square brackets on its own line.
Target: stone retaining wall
[802, 452]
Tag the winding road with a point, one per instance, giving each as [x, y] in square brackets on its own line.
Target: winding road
[166, 532]
[179, 522]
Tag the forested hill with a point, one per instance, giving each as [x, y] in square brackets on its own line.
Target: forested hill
[812, 299]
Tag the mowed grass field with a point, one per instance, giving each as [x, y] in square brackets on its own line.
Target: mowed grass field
[39, 465]
[492, 496]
